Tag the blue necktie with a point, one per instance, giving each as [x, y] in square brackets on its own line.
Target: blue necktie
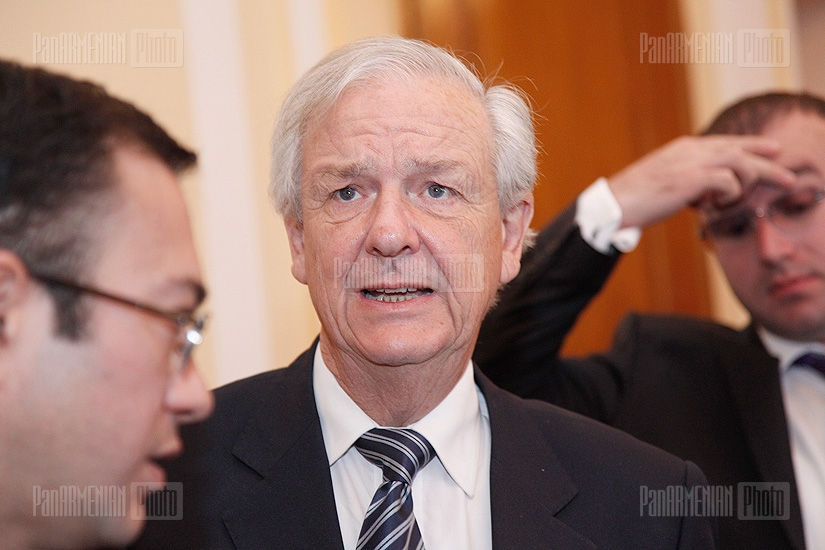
[389, 523]
[814, 360]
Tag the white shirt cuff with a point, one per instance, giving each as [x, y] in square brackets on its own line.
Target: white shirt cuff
[599, 216]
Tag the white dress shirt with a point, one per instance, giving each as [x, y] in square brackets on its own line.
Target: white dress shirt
[451, 495]
[803, 392]
[599, 216]
[803, 389]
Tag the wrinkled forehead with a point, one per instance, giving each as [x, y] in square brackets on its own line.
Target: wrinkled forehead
[450, 85]
[428, 107]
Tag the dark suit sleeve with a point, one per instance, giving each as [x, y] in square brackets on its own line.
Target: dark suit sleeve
[520, 338]
[698, 532]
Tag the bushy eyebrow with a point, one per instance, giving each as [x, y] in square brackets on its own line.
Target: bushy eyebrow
[354, 170]
[346, 171]
[417, 166]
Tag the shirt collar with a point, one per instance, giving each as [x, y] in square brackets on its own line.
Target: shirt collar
[787, 351]
[454, 427]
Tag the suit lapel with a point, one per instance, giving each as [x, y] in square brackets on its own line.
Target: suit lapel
[755, 385]
[293, 505]
[528, 485]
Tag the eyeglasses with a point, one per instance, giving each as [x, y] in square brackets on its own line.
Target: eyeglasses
[788, 213]
[190, 326]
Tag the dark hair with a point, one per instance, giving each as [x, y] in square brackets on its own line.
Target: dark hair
[751, 115]
[57, 136]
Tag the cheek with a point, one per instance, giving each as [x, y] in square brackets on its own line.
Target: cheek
[741, 269]
[136, 369]
[331, 248]
[814, 251]
[136, 383]
[471, 260]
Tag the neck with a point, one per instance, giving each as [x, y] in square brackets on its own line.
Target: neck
[397, 395]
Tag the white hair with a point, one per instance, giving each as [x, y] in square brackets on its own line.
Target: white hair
[363, 62]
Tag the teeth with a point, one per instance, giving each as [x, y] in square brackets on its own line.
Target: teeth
[393, 298]
[394, 295]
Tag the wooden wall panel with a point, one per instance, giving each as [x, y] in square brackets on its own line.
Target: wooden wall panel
[599, 109]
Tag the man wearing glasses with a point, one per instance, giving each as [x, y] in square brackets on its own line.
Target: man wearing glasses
[745, 406]
[99, 284]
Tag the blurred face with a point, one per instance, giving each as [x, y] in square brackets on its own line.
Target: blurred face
[100, 411]
[403, 244]
[777, 269]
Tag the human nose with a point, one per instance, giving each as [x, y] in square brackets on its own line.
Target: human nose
[773, 243]
[187, 397]
[391, 230]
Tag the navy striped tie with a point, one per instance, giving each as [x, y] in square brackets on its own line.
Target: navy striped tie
[390, 523]
[814, 360]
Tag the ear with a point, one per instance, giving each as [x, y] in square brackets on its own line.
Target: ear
[514, 226]
[295, 234]
[14, 287]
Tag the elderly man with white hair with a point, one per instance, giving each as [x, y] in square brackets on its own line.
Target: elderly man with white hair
[406, 189]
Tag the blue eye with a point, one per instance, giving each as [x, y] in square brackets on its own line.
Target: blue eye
[437, 191]
[346, 194]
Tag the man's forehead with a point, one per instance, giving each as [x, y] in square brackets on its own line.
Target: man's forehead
[444, 93]
[797, 131]
[144, 242]
[429, 128]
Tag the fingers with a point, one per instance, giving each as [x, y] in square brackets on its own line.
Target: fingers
[752, 160]
[723, 188]
[693, 171]
[742, 162]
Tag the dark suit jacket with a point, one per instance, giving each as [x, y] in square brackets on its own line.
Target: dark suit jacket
[694, 388]
[256, 475]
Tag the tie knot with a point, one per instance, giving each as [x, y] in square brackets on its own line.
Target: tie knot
[814, 360]
[400, 452]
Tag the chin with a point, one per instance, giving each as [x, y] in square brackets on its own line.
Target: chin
[118, 532]
[798, 326]
[404, 352]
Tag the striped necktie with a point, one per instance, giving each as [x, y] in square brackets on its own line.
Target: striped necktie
[814, 360]
[389, 523]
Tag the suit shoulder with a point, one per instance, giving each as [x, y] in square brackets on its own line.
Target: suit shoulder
[237, 402]
[675, 326]
[249, 391]
[586, 446]
[596, 467]
[243, 390]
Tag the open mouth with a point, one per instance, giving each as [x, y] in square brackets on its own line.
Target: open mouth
[395, 294]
